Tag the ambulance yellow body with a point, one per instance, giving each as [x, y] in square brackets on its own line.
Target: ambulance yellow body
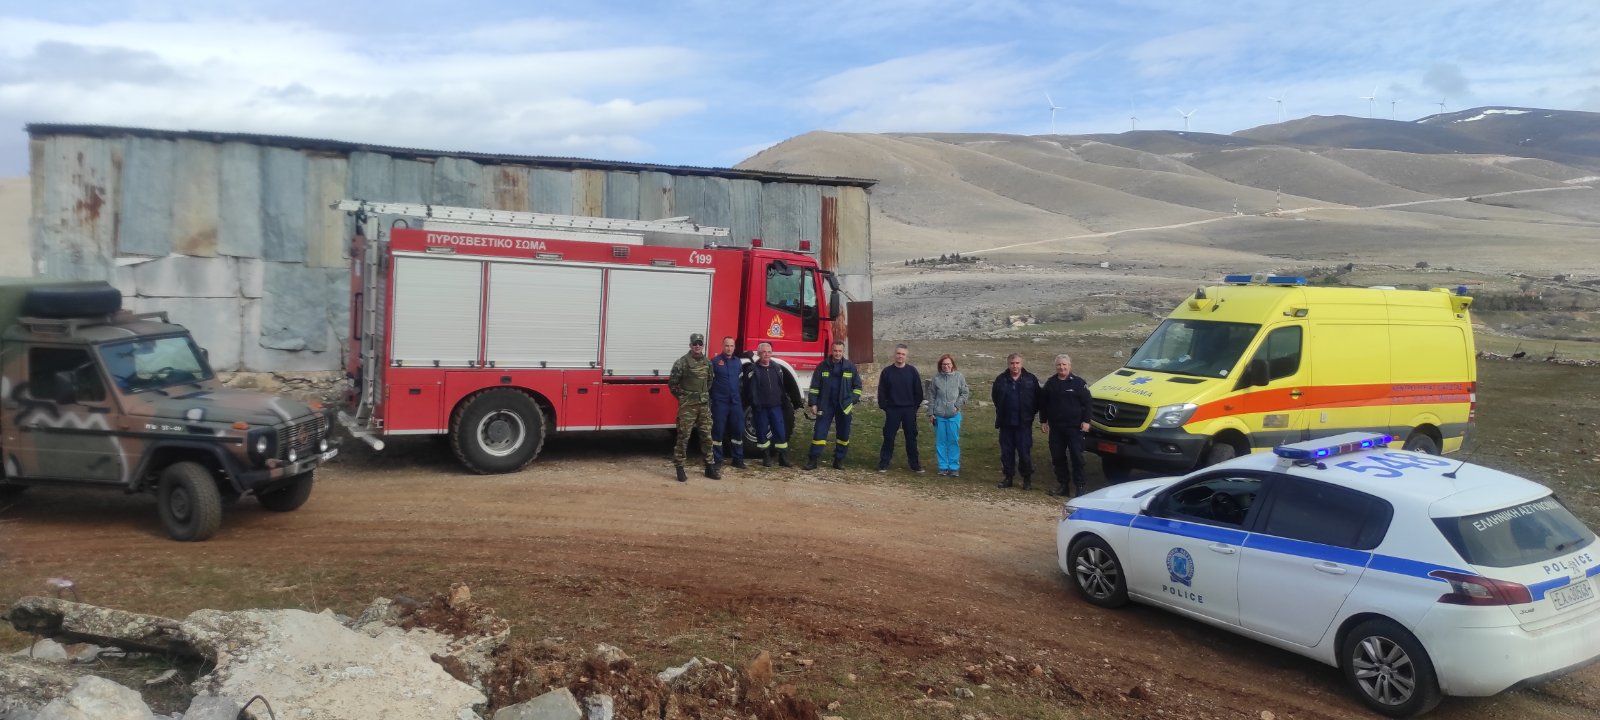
[1263, 361]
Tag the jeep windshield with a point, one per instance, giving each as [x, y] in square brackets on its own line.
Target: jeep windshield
[1204, 348]
[154, 363]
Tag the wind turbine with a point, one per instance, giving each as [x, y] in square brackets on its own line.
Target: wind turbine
[1441, 106]
[1053, 109]
[1371, 100]
[1133, 120]
[1279, 101]
[1393, 102]
[1186, 117]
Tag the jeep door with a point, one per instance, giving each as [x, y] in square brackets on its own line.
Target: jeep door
[64, 419]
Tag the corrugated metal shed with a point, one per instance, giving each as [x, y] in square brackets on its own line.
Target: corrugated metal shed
[233, 233]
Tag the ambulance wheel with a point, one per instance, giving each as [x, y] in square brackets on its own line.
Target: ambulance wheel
[497, 431]
[188, 501]
[1219, 452]
[1421, 442]
[1388, 669]
[290, 496]
[1097, 573]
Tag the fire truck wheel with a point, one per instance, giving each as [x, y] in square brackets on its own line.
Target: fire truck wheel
[291, 495]
[188, 501]
[497, 431]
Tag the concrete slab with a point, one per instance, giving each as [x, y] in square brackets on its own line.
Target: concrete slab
[239, 201]
[195, 198]
[182, 276]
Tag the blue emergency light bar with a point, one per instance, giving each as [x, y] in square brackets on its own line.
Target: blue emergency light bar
[1334, 445]
[1264, 279]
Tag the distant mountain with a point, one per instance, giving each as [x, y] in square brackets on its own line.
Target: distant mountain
[1563, 136]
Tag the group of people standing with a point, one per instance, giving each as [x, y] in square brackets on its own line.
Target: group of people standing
[709, 397]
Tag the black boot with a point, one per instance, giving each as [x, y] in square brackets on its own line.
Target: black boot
[838, 463]
[811, 463]
[1078, 491]
[766, 457]
[1005, 483]
[783, 458]
[738, 462]
[1027, 482]
[682, 476]
[713, 471]
[1060, 490]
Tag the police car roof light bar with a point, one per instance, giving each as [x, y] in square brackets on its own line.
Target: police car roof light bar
[1313, 450]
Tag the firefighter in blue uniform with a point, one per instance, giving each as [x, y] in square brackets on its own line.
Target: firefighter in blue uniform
[727, 412]
[835, 390]
[767, 403]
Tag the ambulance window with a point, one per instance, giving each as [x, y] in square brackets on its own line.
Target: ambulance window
[783, 291]
[1321, 513]
[45, 363]
[1282, 352]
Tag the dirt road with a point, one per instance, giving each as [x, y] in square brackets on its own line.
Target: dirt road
[899, 587]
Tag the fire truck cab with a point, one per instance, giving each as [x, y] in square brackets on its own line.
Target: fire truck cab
[497, 328]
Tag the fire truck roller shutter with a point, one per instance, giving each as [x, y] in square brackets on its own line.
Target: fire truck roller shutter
[649, 317]
[437, 304]
[543, 314]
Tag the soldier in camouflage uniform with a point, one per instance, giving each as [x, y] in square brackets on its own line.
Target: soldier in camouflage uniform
[690, 383]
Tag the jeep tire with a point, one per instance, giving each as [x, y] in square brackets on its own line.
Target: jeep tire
[497, 431]
[289, 496]
[188, 501]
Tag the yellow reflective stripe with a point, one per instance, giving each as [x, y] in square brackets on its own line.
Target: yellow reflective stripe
[819, 442]
[783, 446]
[825, 373]
[764, 445]
[844, 442]
[848, 374]
[856, 391]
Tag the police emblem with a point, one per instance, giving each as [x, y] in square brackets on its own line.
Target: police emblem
[1180, 566]
[775, 330]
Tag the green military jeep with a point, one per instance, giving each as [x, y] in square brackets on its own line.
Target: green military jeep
[93, 395]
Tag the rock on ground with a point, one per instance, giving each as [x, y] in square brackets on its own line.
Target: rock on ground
[553, 705]
[27, 685]
[212, 707]
[599, 707]
[55, 618]
[314, 668]
[95, 698]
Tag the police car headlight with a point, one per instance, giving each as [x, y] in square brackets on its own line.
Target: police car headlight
[1067, 510]
[1171, 416]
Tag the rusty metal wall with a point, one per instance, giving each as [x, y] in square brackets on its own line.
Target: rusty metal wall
[237, 240]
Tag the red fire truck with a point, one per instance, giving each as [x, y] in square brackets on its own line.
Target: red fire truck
[496, 328]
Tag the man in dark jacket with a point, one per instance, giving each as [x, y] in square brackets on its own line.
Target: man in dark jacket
[727, 412]
[1064, 409]
[899, 396]
[1016, 396]
[835, 390]
[765, 386]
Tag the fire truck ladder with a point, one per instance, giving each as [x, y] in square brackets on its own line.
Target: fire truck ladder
[368, 214]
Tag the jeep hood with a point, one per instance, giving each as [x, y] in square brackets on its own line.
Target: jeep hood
[217, 405]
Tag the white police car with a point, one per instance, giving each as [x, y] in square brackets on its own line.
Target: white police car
[1418, 576]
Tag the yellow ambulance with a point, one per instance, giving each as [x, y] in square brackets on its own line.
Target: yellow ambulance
[1262, 361]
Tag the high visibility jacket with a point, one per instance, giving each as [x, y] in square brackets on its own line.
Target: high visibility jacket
[835, 384]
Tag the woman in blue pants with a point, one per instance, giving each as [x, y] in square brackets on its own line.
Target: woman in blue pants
[947, 395]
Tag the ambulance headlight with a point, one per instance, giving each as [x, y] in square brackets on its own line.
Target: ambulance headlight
[1171, 416]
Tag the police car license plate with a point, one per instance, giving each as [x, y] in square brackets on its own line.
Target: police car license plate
[1568, 596]
[1107, 447]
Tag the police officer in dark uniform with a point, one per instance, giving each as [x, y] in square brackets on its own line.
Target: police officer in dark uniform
[835, 390]
[1016, 395]
[1064, 409]
[727, 412]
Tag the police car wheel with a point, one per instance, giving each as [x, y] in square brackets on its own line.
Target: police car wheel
[1097, 573]
[1388, 669]
[497, 431]
[188, 502]
[1421, 442]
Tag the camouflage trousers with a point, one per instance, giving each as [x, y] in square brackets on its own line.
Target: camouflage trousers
[692, 417]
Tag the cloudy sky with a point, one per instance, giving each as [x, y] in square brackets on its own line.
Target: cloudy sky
[709, 83]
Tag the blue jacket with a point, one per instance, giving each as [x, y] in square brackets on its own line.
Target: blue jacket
[725, 375]
[835, 385]
[1016, 402]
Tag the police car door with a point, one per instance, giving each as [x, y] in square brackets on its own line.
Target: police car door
[1185, 547]
[1311, 545]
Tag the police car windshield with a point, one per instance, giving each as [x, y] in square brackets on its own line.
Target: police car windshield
[1518, 535]
[1203, 348]
[153, 363]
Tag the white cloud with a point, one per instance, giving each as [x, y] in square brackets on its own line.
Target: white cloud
[948, 90]
[1188, 50]
[495, 88]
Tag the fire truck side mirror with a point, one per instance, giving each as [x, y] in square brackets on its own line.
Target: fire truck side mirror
[835, 305]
